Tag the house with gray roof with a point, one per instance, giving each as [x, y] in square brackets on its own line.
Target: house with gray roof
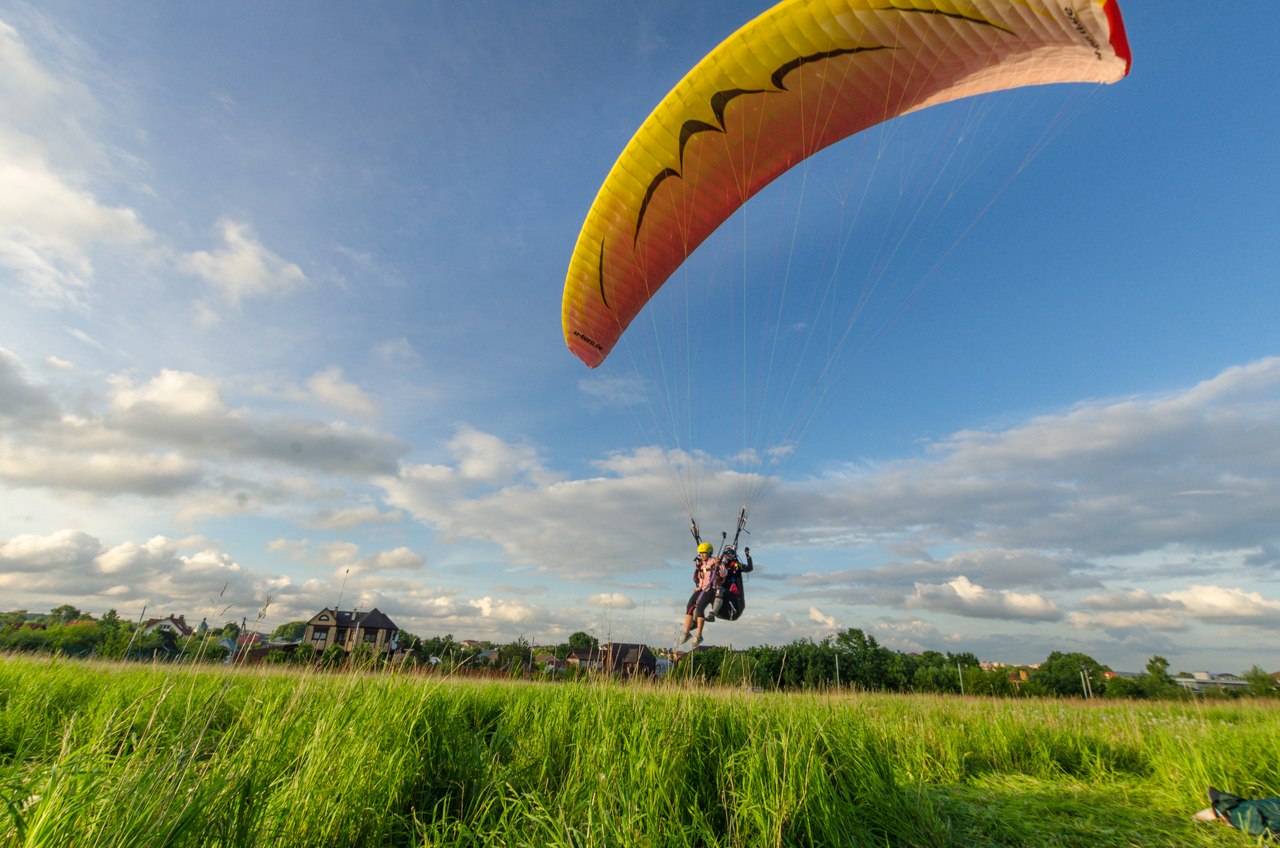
[349, 629]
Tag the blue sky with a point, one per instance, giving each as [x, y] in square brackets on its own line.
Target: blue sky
[279, 323]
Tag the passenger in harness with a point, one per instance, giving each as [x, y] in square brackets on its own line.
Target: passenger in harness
[708, 574]
[731, 598]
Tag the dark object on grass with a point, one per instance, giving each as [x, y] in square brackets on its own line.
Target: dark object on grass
[1256, 817]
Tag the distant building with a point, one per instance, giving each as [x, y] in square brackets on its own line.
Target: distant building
[550, 663]
[627, 659]
[250, 640]
[591, 659]
[624, 659]
[348, 628]
[1204, 681]
[177, 626]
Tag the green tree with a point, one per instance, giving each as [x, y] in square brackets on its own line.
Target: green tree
[1260, 683]
[582, 641]
[290, 631]
[1154, 683]
[862, 661]
[442, 648]
[515, 656]
[65, 614]
[1067, 675]
[934, 672]
[994, 682]
[77, 640]
[147, 645]
[114, 633]
[27, 639]
[1157, 683]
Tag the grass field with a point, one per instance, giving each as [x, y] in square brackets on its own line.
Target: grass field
[126, 755]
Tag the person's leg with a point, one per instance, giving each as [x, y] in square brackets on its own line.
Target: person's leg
[689, 610]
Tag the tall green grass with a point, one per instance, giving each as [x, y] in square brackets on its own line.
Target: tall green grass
[121, 755]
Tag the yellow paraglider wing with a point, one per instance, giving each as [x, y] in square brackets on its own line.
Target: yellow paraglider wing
[800, 77]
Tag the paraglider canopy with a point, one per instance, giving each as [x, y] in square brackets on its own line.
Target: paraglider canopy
[795, 80]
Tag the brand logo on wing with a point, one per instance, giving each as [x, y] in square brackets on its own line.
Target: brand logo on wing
[595, 344]
[1084, 32]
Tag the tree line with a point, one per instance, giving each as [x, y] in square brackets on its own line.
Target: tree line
[851, 659]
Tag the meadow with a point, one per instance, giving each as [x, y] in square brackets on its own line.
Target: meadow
[102, 754]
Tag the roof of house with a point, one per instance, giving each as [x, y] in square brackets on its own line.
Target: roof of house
[629, 653]
[178, 623]
[373, 619]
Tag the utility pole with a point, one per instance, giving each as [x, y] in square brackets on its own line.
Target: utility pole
[343, 590]
[135, 632]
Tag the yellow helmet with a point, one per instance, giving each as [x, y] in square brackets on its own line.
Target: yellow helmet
[705, 548]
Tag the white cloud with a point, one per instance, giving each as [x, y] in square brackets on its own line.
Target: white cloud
[1132, 600]
[1105, 478]
[243, 268]
[32, 552]
[293, 549]
[50, 231]
[350, 517]
[171, 393]
[398, 559]
[507, 612]
[339, 554]
[21, 400]
[611, 600]
[1219, 605]
[485, 458]
[52, 226]
[188, 412]
[821, 619]
[1146, 621]
[130, 557]
[329, 387]
[502, 493]
[151, 474]
[175, 434]
[176, 575]
[961, 597]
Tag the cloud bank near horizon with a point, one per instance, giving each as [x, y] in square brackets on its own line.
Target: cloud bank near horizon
[1144, 513]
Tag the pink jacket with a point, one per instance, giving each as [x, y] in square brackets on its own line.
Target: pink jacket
[709, 573]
